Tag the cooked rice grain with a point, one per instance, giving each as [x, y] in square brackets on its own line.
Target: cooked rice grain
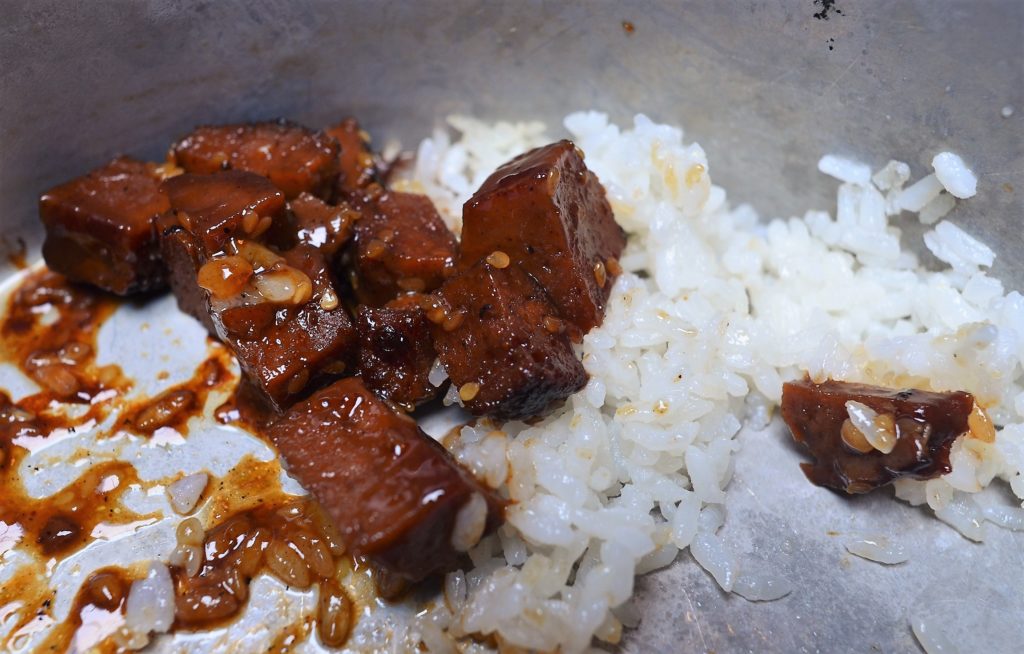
[715, 309]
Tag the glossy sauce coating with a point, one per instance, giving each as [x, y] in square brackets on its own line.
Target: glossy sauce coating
[99, 227]
[499, 337]
[925, 424]
[99, 604]
[357, 165]
[294, 158]
[548, 213]
[173, 407]
[396, 353]
[401, 245]
[222, 205]
[394, 494]
[283, 350]
[283, 319]
[311, 221]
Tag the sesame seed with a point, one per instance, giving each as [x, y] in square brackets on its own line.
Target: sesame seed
[600, 276]
[468, 391]
[375, 249]
[453, 322]
[437, 315]
[498, 259]
[553, 325]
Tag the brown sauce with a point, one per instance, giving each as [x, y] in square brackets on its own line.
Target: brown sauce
[56, 526]
[173, 407]
[49, 331]
[260, 528]
[18, 255]
[246, 409]
[99, 605]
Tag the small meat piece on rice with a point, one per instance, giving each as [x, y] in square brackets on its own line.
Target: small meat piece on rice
[100, 227]
[395, 495]
[283, 319]
[357, 166]
[312, 221]
[918, 426]
[548, 213]
[401, 245]
[502, 343]
[396, 353]
[223, 205]
[294, 158]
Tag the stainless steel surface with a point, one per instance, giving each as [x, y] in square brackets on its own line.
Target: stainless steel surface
[765, 87]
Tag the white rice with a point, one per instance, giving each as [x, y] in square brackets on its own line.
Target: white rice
[716, 309]
[880, 549]
[954, 174]
[150, 606]
[184, 493]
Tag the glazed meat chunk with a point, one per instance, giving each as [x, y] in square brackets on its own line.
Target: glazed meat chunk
[183, 254]
[281, 316]
[100, 227]
[357, 166]
[294, 158]
[223, 205]
[395, 495]
[280, 313]
[312, 221]
[396, 353]
[502, 343]
[549, 214]
[401, 245]
[862, 437]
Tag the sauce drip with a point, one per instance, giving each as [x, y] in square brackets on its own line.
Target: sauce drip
[96, 614]
[49, 332]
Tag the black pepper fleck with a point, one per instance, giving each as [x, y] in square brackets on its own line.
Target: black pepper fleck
[828, 7]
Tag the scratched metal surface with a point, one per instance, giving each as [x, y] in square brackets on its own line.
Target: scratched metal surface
[764, 86]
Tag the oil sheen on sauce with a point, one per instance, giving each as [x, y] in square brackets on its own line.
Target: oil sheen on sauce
[246, 523]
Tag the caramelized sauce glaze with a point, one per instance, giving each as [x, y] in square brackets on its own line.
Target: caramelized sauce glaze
[252, 525]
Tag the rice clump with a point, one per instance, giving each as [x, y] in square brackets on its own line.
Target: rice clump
[716, 309]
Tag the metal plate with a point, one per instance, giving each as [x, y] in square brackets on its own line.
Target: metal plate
[766, 87]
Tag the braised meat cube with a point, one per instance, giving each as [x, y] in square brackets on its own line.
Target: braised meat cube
[862, 437]
[294, 158]
[99, 227]
[312, 221]
[184, 256]
[357, 166]
[396, 353]
[395, 495]
[502, 343]
[281, 316]
[223, 205]
[401, 245]
[549, 214]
